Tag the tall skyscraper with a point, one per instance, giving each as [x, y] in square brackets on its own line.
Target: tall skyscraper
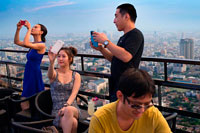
[87, 46]
[187, 48]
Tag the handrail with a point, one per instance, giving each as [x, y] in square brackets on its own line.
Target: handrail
[180, 112]
[153, 59]
[158, 82]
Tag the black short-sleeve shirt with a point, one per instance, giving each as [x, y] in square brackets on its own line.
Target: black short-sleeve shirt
[133, 42]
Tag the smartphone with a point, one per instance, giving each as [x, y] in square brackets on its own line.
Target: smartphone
[57, 46]
[95, 44]
[22, 22]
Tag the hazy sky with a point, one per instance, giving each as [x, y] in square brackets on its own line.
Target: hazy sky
[66, 16]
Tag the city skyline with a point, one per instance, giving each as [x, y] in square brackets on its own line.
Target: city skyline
[76, 16]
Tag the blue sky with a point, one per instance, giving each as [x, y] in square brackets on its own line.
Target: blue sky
[78, 16]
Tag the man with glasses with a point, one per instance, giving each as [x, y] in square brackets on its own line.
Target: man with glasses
[133, 112]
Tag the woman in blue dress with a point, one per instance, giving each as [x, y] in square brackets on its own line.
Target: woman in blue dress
[64, 87]
[32, 82]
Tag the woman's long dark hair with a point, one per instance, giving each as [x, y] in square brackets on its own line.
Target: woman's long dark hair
[44, 29]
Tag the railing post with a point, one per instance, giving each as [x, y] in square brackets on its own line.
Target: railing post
[165, 71]
[82, 63]
[8, 75]
[159, 96]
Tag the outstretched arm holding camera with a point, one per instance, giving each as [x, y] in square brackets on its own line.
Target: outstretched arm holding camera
[16, 39]
[38, 35]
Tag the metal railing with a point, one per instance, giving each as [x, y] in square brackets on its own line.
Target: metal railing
[158, 82]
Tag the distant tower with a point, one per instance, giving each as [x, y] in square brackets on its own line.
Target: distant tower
[187, 48]
[155, 34]
[87, 46]
[182, 35]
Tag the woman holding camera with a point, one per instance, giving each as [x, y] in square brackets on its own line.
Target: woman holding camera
[32, 82]
[64, 87]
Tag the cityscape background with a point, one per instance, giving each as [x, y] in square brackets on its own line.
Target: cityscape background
[170, 30]
[78, 16]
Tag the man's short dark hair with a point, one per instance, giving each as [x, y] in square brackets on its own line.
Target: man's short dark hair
[137, 82]
[130, 9]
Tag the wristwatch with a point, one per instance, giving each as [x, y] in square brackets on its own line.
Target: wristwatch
[105, 43]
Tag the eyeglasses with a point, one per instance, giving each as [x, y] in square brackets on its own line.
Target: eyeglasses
[137, 106]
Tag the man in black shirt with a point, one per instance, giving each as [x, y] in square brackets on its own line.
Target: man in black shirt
[128, 51]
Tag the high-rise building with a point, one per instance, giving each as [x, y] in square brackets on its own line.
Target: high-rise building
[87, 46]
[187, 48]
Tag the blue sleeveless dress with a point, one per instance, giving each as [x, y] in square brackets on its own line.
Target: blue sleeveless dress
[60, 94]
[32, 82]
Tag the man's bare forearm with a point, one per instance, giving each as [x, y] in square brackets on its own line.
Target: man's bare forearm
[107, 54]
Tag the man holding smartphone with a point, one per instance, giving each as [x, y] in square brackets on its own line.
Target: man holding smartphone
[128, 51]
